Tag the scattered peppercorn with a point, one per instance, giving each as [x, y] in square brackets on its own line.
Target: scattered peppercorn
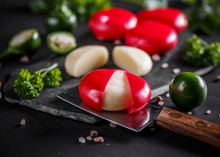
[93, 133]
[158, 99]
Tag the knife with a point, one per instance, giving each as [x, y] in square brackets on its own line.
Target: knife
[162, 116]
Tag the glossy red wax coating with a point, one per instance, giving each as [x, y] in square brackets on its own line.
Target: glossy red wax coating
[111, 24]
[141, 92]
[170, 16]
[152, 37]
[92, 88]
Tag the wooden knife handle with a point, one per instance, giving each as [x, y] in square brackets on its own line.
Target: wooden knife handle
[190, 126]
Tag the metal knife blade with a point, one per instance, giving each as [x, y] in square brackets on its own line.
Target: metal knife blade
[135, 122]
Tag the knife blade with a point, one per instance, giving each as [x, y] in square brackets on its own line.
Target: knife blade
[165, 117]
[135, 122]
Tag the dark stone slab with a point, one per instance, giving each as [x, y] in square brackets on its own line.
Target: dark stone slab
[49, 103]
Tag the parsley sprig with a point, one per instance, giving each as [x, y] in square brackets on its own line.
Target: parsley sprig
[199, 53]
[29, 86]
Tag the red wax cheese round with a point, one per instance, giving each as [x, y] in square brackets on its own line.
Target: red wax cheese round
[152, 37]
[114, 90]
[111, 24]
[170, 16]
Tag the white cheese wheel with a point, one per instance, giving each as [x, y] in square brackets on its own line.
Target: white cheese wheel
[84, 59]
[132, 59]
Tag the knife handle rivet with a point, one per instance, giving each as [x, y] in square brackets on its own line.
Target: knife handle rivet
[174, 115]
[201, 124]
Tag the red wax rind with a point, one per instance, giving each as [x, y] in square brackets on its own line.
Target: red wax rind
[141, 92]
[112, 23]
[173, 17]
[152, 37]
[92, 88]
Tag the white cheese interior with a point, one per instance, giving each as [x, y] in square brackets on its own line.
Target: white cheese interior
[117, 95]
[62, 41]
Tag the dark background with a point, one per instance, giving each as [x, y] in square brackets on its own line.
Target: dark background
[47, 135]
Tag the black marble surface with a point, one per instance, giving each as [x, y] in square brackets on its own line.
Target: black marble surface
[47, 135]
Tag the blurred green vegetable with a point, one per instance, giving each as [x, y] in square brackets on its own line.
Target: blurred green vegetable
[204, 19]
[25, 42]
[85, 8]
[61, 42]
[187, 90]
[151, 4]
[29, 86]
[61, 18]
[82, 8]
[199, 53]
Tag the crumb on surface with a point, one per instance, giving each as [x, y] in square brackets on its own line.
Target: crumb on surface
[113, 125]
[176, 70]
[155, 57]
[208, 112]
[161, 103]
[24, 59]
[23, 122]
[165, 65]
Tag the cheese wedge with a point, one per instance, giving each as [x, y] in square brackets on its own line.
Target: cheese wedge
[132, 59]
[85, 59]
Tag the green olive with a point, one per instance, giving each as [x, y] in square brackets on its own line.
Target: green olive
[187, 90]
